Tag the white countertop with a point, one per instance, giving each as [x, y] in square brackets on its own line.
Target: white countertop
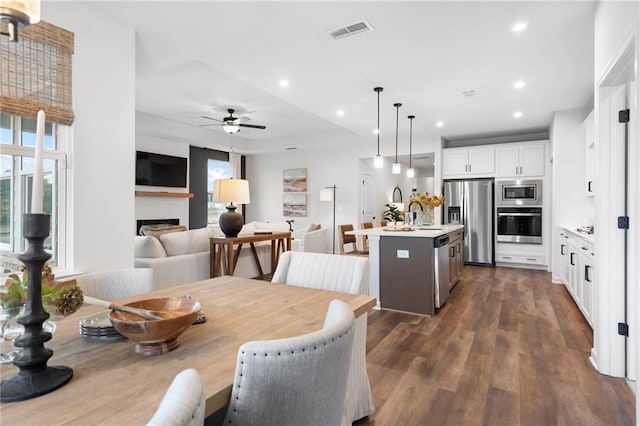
[431, 231]
[587, 237]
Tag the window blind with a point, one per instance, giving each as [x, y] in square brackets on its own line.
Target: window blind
[35, 73]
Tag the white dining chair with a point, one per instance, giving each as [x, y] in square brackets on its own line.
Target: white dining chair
[347, 274]
[116, 284]
[183, 403]
[295, 381]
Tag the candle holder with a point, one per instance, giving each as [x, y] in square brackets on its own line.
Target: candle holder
[35, 377]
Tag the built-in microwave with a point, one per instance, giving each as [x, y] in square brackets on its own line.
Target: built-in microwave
[519, 193]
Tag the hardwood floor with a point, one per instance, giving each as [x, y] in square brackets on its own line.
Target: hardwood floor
[508, 348]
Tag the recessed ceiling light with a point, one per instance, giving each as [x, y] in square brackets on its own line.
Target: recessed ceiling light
[340, 113]
[519, 26]
[517, 114]
[519, 84]
[439, 124]
[376, 131]
[284, 83]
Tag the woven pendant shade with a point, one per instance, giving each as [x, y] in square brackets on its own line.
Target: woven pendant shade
[35, 73]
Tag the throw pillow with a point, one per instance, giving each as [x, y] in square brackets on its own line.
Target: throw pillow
[157, 230]
[314, 227]
[147, 246]
[193, 241]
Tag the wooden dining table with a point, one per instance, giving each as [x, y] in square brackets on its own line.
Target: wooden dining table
[112, 384]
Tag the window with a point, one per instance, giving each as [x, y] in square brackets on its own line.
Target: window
[216, 169]
[17, 142]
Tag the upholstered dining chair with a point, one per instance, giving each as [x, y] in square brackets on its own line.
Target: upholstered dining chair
[350, 241]
[347, 274]
[116, 284]
[183, 403]
[294, 381]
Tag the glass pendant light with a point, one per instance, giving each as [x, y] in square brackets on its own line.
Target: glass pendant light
[396, 168]
[378, 162]
[411, 172]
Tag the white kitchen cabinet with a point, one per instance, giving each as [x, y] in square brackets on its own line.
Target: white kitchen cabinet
[524, 159]
[589, 155]
[468, 162]
[577, 270]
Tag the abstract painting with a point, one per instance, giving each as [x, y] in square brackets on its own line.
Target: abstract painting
[294, 204]
[294, 180]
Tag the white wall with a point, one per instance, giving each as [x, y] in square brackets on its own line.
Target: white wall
[101, 166]
[325, 167]
[570, 203]
[614, 23]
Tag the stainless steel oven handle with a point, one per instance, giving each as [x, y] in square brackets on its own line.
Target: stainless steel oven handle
[519, 214]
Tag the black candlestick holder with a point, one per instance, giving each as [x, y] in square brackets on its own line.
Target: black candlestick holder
[35, 377]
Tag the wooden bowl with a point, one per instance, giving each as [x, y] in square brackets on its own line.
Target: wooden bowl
[160, 336]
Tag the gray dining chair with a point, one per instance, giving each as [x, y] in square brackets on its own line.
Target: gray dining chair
[116, 284]
[295, 381]
[183, 403]
[347, 274]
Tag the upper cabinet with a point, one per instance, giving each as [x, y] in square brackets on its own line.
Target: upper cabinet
[589, 155]
[524, 159]
[468, 162]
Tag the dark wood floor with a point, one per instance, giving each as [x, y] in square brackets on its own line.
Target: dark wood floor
[509, 348]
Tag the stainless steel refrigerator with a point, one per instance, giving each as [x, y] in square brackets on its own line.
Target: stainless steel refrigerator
[470, 203]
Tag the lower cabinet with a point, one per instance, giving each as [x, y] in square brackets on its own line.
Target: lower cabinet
[577, 256]
[456, 261]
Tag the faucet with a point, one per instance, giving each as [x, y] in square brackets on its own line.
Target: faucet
[413, 214]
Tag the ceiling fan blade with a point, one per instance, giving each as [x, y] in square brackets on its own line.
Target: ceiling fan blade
[209, 125]
[253, 126]
[209, 118]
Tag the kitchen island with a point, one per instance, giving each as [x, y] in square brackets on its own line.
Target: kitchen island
[406, 267]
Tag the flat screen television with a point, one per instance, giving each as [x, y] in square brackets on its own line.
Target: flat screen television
[160, 170]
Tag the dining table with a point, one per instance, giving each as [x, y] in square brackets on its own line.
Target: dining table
[112, 384]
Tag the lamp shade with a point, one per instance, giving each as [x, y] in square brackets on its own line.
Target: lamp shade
[231, 191]
[326, 194]
[24, 12]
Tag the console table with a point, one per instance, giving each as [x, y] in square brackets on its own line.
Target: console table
[224, 258]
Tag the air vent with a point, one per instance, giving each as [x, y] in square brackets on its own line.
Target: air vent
[467, 93]
[290, 148]
[349, 30]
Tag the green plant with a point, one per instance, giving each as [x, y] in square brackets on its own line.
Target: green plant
[392, 214]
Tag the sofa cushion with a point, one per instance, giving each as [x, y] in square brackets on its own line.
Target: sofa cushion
[147, 246]
[157, 230]
[247, 229]
[313, 227]
[192, 241]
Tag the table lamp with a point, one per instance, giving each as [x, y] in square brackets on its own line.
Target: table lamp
[231, 191]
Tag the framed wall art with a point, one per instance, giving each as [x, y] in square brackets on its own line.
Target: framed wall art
[294, 204]
[294, 180]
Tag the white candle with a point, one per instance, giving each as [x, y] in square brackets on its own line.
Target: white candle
[38, 173]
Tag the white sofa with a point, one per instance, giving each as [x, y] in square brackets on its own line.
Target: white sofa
[183, 257]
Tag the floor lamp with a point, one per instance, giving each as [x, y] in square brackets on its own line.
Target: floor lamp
[329, 194]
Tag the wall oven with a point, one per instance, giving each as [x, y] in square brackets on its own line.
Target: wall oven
[519, 225]
[519, 193]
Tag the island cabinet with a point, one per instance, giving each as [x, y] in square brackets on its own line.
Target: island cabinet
[524, 159]
[456, 260]
[468, 162]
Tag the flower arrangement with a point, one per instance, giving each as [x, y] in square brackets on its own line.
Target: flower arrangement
[290, 222]
[59, 298]
[427, 200]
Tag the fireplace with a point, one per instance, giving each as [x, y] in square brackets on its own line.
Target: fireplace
[157, 222]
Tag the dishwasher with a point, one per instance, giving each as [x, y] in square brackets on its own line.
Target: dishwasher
[441, 267]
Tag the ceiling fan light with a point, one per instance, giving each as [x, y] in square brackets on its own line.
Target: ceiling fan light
[411, 172]
[396, 168]
[230, 128]
[378, 162]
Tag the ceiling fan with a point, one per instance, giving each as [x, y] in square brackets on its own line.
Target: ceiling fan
[231, 124]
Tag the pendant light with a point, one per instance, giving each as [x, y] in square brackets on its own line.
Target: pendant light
[411, 172]
[18, 14]
[396, 168]
[378, 162]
